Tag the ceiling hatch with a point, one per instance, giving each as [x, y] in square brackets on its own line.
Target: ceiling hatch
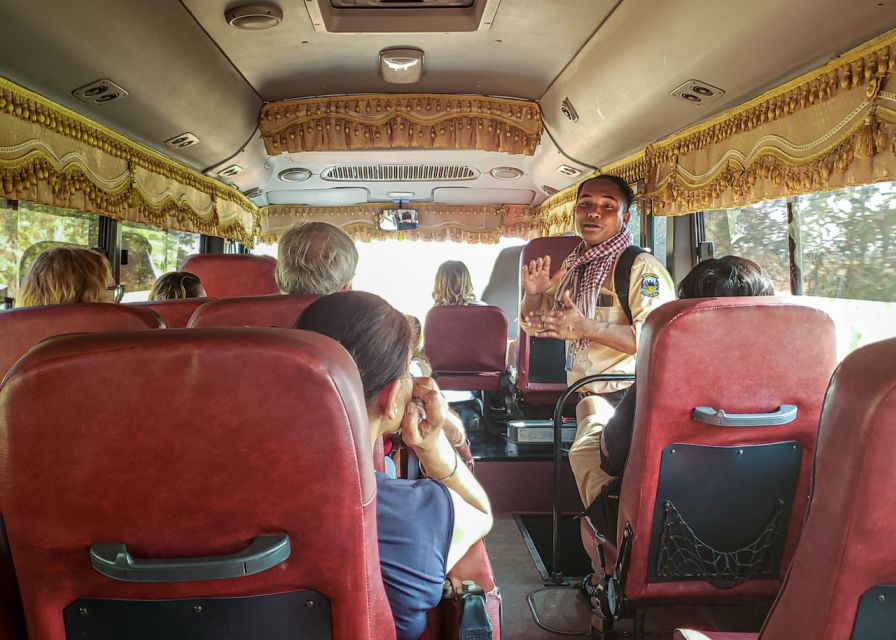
[401, 16]
[398, 173]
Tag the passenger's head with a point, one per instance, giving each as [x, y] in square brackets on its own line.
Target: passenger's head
[724, 277]
[315, 257]
[602, 208]
[177, 284]
[453, 285]
[378, 337]
[65, 275]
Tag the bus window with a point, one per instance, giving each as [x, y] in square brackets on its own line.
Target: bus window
[28, 229]
[151, 252]
[403, 272]
[757, 232]
[848, 260]
[659, 239]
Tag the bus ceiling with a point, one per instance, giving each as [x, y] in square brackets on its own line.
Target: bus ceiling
[607, 76]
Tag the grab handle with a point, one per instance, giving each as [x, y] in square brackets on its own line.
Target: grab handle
[114, 561]
[785, 414]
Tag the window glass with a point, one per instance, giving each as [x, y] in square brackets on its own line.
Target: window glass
[848, 260]
[634, 225]
[757, 232]
[403, 272]
[151, 252]
[659, 238]
[28, 229]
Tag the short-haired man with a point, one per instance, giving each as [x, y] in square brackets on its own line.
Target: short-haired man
[584, 305]
[315, 258]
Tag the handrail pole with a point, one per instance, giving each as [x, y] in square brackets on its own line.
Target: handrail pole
[556, 577]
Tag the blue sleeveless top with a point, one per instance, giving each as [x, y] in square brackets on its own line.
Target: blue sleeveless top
[415, 520]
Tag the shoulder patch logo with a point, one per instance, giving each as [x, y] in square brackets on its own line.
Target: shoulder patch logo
[650, 285]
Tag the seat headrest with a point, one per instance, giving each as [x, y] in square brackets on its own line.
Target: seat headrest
[252, 311]
[557, 247]
[21, 329]
[229, 275]
[176, 313]
[466, 338]
[243, 388]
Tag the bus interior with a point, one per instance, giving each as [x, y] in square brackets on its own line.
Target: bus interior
[190, 134]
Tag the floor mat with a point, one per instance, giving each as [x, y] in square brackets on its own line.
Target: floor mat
[564, 611]
[537, 532]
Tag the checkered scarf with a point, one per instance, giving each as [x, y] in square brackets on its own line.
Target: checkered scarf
[586, 271]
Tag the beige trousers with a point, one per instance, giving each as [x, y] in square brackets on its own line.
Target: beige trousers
[584, 458]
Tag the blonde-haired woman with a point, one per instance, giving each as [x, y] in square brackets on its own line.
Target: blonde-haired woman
[64, 275]
[453, 285]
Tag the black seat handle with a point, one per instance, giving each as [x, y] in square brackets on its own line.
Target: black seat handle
[784, 414]
[114, 561]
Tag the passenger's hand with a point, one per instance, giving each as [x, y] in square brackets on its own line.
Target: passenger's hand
[536, 276]
[422, 425]
[567, 323]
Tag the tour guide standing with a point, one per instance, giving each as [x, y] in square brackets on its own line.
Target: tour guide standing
[597, 301]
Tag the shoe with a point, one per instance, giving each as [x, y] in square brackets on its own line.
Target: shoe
[589, 588]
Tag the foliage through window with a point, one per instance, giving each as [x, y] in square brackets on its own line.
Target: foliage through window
[151, 252]
[28, 229]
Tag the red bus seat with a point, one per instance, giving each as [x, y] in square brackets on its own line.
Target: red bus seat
[693, 489]
[252, 311]
[21, 329]
[175, 313]
[226, 275]
[466, 346]
[181, 463]
[540, 362]
[841, 581]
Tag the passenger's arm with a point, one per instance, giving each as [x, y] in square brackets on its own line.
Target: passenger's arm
[570, 324]
[472, 510]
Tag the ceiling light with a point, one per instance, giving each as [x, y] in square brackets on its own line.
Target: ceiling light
[401, 195]
[506, 173]
[253, 17]
[294, 175]
[401, 66]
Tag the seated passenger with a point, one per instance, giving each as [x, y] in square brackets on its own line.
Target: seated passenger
[453, 286]
[714, 278]
[424, 526]
[419, 362]
[65, 275]
[315, 258]
[175, 285]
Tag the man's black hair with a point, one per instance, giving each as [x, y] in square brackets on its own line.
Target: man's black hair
[726, 276]
[627, 193]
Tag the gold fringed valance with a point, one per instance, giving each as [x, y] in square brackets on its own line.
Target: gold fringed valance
[459, 223]
[51, 155]
[407, 121]
[831, 128]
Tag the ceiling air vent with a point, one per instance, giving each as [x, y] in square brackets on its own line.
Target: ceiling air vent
[566, 170]
[182, 141]
[697, 92]
[549, 191]
[398, 173]
[254, 192]
[568, 110]
[99, 92]
[506, 173]
[230, 171]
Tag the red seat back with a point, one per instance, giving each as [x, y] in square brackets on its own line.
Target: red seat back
[743, 355]
[466, 346]
[540, 374]
[175, 313]
[227, 275]
[180, 462]
[847, 544]
[21, 329]
[252, 311]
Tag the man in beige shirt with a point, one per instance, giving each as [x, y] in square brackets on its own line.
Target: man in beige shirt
[580, 305]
